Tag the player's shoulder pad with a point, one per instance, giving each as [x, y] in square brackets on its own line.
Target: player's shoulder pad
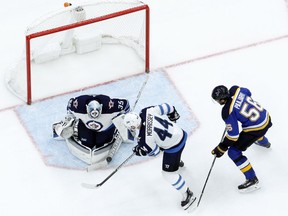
[232, 90]
[78, 104]
[226, 108]
[143, 113]
[246, 91]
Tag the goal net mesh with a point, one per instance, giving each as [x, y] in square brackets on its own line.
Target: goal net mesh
[59, 46]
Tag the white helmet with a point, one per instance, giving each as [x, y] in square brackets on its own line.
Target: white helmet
[94, 109]
[132, 121]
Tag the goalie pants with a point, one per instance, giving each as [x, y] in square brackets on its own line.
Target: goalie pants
[94, 139]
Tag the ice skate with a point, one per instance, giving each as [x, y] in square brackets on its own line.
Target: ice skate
[264, 143]
[249, 185]
[189, 200]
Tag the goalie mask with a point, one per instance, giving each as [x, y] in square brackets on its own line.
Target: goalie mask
[132, 121]
[94, 109]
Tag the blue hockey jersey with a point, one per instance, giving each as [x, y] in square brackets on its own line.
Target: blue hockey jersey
[241, 108]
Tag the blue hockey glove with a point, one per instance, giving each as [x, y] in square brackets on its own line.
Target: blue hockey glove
[219, 150]
[174, 116]
[139, 151]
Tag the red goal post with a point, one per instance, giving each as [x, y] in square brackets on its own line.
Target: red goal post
[124, 22]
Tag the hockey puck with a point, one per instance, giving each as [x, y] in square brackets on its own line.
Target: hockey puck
[108, 159]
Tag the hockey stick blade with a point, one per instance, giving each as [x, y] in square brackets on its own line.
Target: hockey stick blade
[90, 186]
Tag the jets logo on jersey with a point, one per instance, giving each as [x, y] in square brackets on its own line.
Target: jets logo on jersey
[75, 104]
[94, 125]
[110, 104]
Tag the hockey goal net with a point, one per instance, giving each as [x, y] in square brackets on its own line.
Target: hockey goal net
[59, 46]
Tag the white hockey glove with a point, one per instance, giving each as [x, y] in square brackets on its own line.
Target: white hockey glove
[65, 128]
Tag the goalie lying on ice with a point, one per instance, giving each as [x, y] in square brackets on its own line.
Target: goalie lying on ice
[88, 128]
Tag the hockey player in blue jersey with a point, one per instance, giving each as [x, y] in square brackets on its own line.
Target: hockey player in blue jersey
[239, 107]
[155, 132]
[88, 126]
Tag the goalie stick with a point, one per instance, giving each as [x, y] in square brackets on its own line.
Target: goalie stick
[116, 145]
[116, 121]
[112, 151]
[141, 90]
[93, 186]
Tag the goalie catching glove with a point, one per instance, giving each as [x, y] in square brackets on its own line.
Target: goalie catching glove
[173, 116]
[65, 128]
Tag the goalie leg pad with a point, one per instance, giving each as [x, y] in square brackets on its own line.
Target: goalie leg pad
[115, 146]
[80, 151]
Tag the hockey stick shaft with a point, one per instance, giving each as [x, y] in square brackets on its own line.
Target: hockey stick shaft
[141, 90]
[110, 175]
[223, 135]
[116, 146]
[116, 170]
[206, 181]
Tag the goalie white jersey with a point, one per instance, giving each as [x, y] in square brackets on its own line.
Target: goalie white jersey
[91, 139]
[111, 107]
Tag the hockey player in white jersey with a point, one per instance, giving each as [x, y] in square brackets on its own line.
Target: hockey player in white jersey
[155, 132]
[88, 128]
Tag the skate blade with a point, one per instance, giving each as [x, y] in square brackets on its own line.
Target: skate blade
[190, 207]
[250, 189]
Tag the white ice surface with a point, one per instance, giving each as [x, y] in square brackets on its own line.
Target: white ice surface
[200, 44]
